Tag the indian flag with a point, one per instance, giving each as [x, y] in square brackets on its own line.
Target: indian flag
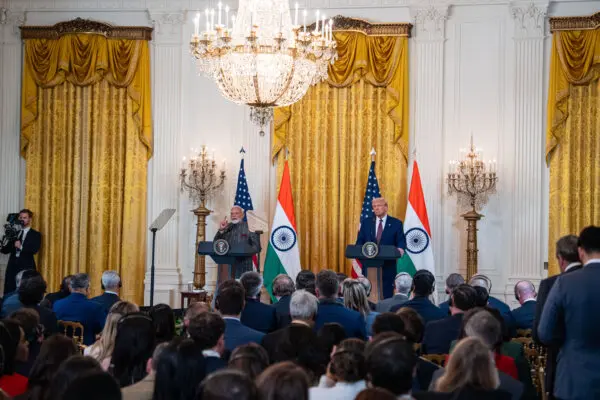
[283, 255]
[419, 252]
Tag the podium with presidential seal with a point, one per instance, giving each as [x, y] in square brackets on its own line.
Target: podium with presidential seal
[222, 253]
[373, 258]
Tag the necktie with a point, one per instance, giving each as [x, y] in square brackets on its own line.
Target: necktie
[379, 230]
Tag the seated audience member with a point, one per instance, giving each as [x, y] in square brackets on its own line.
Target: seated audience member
[469, 374]
[402, 285]
[330, 335]
[482, 296]
[422, 287]
[144, 389]
[256, 315]
[485, 282]
[207, 330]
[63, 291]
[54, 351]
[227, 384]
[77, 307]
[390, 363]
[452, 282]
[375, 393]
[194, 309]
[29, 320]
[341, 277]
[366, 284]
[355, 298]
[230, 303]
[94, 386]
[163, 320]
[523, 316]
[414, 327]
[284, 380]
[346, 372]
[388, 322]
[31, 292]
[134, 345]
[330, 309]
[111, 285]
[250, 358]
[283, 287]
[103, 348]
[14, 350]
[69, 371]
[440, 334]
[306, 280]
[11, 301]
[179, 370]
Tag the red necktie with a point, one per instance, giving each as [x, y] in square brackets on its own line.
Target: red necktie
[379, 230]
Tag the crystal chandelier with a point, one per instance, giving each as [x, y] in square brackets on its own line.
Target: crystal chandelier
[260, 58]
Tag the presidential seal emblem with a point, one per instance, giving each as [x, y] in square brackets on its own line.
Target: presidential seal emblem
[221, 247]
[370, 250]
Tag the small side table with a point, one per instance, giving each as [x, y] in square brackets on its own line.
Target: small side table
[194, 297]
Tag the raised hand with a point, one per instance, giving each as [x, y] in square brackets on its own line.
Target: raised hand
[223, 224]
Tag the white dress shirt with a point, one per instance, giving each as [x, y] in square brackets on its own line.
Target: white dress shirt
[24, 231]
[593, 261]
[384, 219]
[341, 391]
[575, 264]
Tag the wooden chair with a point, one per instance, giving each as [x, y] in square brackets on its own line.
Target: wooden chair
[70, 329]
[437, 359]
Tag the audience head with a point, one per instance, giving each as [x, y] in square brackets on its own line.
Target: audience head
[388, 322]
[481, 324]
[482, 296]
[231, 298]
[179, 369]
[24, 274]
[193, 310]
[283, 285]
[348, 361]
[355, 297]
[152, 364]
[80, 283]
[252, 282]
[13, 343]
[414, 326]
[471, 365]
[29, 320]
[249, 358]
[481, 281]
[303, 306]
[65, 285]
[588, 244]
[524, 290]
[391, 363]
[284, 380]
[106, 342]
[301, 345]
[452, 282]
[228, 384]
[134, 344]
[163, 319]
[93, 386]
[111, 281]
[341, 277]
[327, 284]
[306, 280]
[366, 284]
[207, 330]
[566, 251]
[69, 371]
[423, 283]
[403, 283]
[375, 393]
[32, 290]
[462, 299]
[330, 335]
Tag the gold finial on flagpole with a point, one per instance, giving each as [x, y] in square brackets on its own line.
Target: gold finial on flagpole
[373, 154]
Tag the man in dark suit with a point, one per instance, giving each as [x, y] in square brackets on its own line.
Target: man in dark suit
[440, 334]
[402, 285]
[21, 251]
[63, 292]
[422, 287]
[330, 310]
[452, 282]
[524, 316]
[31, 292]
[111, 284]
[384, 230]
[485, 282]
[77, 307]
[567, 321]
[11, 301]
[256, 315]
[230, 303]
[283, 287]
[207, 330]
[567, 257]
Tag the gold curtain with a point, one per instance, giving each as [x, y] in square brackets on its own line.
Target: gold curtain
[329, 135]
[86, 134]
[573, 134]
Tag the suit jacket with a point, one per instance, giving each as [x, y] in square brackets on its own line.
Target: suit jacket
[143, 390]
[568, 321]
[259, 316]
[30, 246]
[237, 334]
[424, 307]
[439, 334]
[504, 311]
[77, 307]
[445, 307]
[10, 304]
[214, 364]
[392, 235]
[282, 311]
[466, 394]
[47, 319]
[387, 304]
[331, 311]
[56, 296]
[509, 388]
[106, 300]
[524, 316]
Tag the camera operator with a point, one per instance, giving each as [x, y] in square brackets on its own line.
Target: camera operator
[21, 250]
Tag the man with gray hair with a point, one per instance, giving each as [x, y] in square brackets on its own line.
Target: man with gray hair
[283, 288]
[76, 307]
[111, 284]
[402, 285]
[452, 282]
[525, 315]
[256, 315]
[11, 301]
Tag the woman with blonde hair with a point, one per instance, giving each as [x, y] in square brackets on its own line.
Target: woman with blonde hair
[103, 348]
[355, 298]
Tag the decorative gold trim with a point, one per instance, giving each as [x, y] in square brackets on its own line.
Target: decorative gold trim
[575, 23]
[79, 25]
[341, 23]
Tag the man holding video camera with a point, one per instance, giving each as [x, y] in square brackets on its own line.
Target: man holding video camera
[21, 249]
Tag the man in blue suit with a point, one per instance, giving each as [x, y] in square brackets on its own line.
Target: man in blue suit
[207, 330]
[422, 287]
[256, 315]
[568, 321]
[77, 307]
[385, 231]
[230, 303]
[283, 288]
[452, 282]
[485, 282]
[330, 310]
[111, 284]
[524, 316]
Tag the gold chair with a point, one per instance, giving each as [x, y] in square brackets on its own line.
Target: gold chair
[437, 359]
[525, 333]
[70, 329]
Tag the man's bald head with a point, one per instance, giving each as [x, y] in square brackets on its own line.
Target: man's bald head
[380, 207]
[524, 290]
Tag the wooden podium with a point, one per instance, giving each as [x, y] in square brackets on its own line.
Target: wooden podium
[236, 252]
[373, 265]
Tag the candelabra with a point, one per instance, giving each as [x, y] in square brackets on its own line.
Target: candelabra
[201, 178]
[473, 180]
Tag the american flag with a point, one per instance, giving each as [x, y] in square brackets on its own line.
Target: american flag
[371, 192]
[243, 199]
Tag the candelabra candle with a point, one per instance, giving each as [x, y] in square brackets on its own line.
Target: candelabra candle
[202, 179]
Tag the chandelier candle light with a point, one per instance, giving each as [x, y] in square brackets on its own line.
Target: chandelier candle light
[474, 180]
[259, 57]
[202, 179]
